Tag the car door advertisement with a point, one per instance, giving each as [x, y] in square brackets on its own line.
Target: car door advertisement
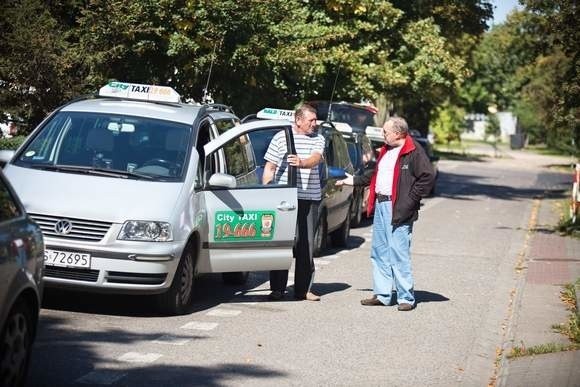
[244, 226]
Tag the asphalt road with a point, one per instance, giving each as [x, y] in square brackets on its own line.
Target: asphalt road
[465, 246]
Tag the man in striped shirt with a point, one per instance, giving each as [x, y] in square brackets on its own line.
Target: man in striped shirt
[309, 153]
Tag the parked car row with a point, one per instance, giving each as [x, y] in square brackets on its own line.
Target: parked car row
[141, 192]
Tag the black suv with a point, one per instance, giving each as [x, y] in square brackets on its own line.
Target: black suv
[356, 115]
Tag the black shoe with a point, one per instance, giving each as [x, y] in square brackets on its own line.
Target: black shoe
[374, 301]
[276, 295]
[405, 307]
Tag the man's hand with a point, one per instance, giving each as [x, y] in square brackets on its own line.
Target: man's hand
[348, 181]
[294, 160]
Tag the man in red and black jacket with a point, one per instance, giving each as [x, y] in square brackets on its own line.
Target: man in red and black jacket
[403, 175]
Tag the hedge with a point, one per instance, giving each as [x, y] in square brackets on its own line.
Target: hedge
[11, 143]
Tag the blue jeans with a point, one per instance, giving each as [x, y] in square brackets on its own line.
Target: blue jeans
[391, 257]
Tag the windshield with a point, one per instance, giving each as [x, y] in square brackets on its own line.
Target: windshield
[127, 146]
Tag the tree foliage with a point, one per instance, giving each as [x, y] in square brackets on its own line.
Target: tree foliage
[530, 65]
[448, 123]
[413, 54]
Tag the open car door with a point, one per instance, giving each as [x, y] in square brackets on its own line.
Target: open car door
[251, 226]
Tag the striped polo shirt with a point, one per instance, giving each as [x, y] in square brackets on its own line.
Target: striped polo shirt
[308, 178]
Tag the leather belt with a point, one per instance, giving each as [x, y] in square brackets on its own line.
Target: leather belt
[384, 198]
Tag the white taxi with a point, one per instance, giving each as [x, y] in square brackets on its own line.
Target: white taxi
[136, 192]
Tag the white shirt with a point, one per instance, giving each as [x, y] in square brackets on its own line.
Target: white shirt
[386, 170]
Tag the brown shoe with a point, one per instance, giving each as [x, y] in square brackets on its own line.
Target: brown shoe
[374, 301]
[405, 307]
[308, 297]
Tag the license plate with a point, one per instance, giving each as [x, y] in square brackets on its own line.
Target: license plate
[67, 259]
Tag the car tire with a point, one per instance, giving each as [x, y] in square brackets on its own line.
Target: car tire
[320, 236]
[178, 298]
[16, 345]
[235, 278]
[340, 236]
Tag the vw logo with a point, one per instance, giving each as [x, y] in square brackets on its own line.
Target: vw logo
[63, 227]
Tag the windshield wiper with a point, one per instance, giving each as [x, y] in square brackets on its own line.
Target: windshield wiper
[91, 171]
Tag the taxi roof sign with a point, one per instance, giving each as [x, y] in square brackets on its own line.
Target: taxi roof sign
[275, 114]
[140, 92]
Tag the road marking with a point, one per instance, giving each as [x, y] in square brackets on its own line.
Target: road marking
[331, 256]
[321, 262]
[223, 312]
[171, 340]
[102, 377]
[136, 357]
[200, 325]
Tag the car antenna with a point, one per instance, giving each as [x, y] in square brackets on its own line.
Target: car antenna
[206, 98]
[332, 93]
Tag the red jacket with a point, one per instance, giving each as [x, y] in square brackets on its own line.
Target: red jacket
[413, 179]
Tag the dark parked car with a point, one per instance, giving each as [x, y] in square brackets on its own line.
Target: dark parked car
[356, 115]
[335, 206]
[363, 160]
[336, 203]
[21, 268]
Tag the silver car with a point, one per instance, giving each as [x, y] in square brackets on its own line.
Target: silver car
[21, 261]
[137, 193]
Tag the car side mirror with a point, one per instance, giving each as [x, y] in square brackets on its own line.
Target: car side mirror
[5, 157]
[336, 173]
[222, 180]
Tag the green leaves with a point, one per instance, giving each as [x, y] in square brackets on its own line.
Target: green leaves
[276, 52]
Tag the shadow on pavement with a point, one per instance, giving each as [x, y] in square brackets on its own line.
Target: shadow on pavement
[209, 291]
[323, 289]
[62, 355]
[467, 187]
[422, 296]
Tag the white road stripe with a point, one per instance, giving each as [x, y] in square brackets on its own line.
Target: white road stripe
[171, 340]
[321, 262]
[200, 326]
[136, 357]
[102, 377]
[223, 312]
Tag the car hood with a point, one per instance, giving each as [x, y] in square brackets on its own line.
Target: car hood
[100, 198]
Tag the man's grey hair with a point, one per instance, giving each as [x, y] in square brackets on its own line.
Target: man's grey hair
[302, 110]
[397, 124]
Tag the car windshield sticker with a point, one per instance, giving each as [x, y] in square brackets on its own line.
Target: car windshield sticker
[251, 225]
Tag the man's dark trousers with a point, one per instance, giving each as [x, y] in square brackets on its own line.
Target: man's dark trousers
[307, 219]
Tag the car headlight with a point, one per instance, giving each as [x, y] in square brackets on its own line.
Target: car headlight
[138, 230]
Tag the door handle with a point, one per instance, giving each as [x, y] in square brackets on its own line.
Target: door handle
[285, 206]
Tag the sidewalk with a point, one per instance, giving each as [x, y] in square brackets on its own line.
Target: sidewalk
[550, 262]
